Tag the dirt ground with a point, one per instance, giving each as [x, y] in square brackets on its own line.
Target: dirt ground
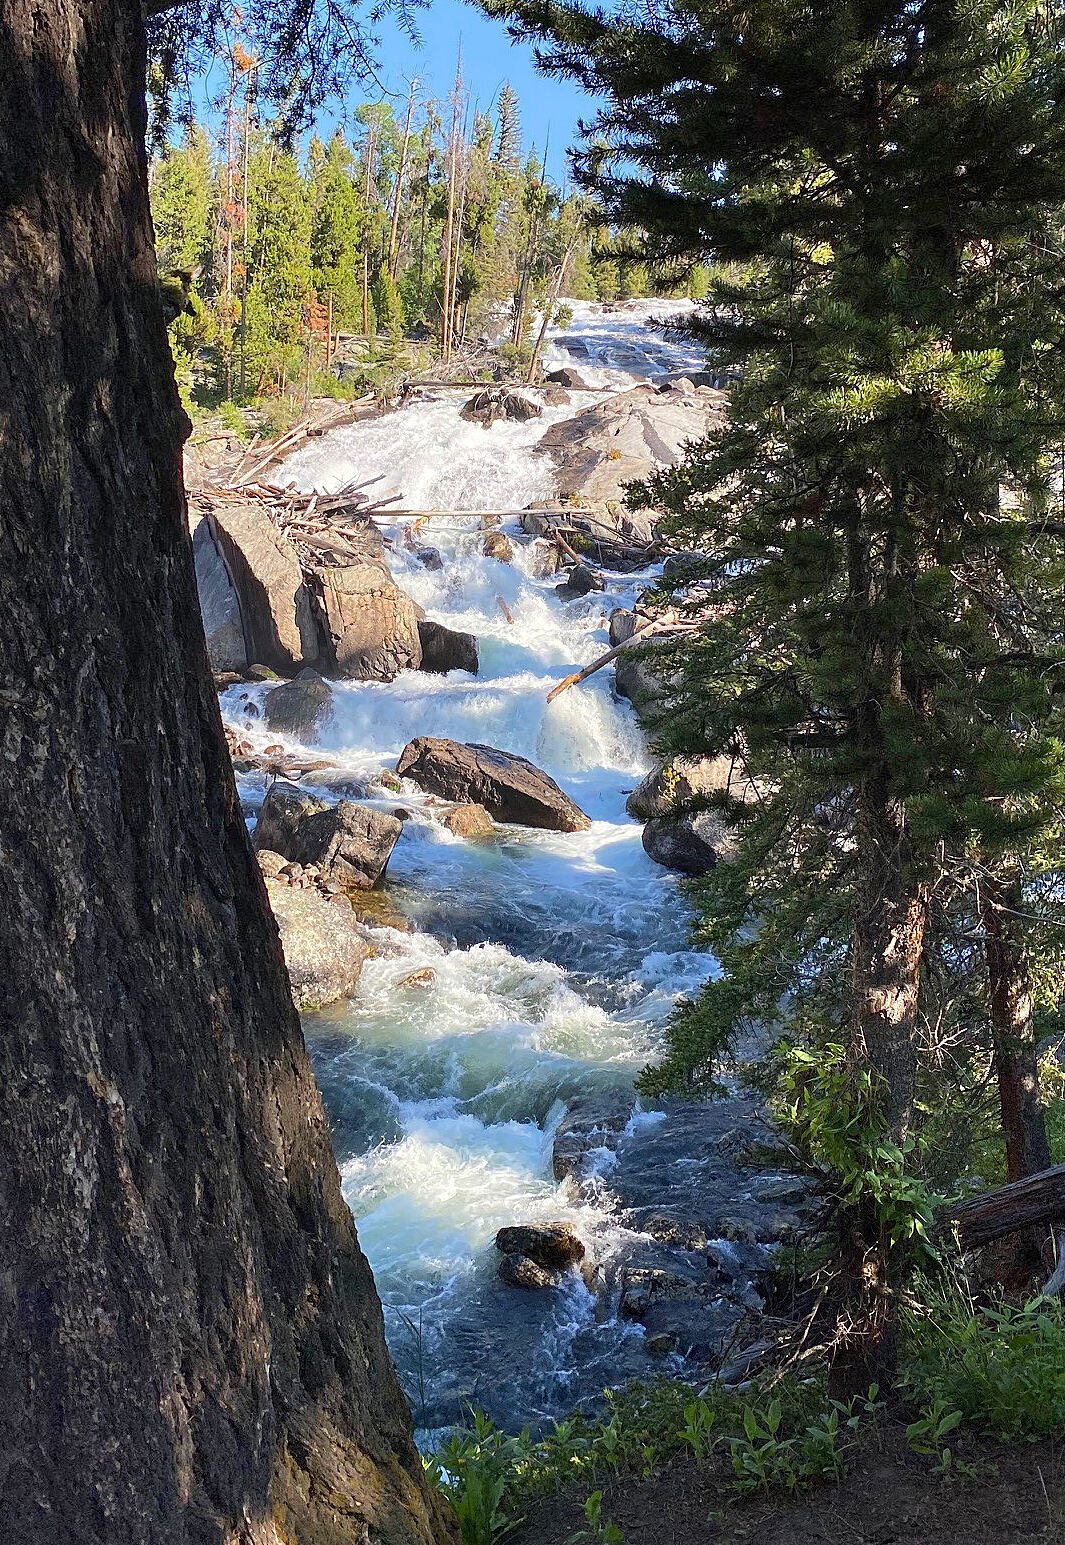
[888, 1497]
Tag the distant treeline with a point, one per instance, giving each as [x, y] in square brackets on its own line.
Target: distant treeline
[426, 222]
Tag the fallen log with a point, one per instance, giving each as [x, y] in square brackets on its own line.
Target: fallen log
[1036, 1200]
[658, 625]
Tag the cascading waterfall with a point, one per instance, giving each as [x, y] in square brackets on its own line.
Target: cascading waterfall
[543, 963]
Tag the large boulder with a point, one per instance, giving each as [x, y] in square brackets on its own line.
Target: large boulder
[684, 781]
[519, 1271]
[219, 604]
[569, 378]
[509, 787]
[299, 707]
[498, 545]
[370, 625]
[282, 816]
[324, 947]
[350, 844]
[626, 437]
[581, 580]
[446, 649]
[274, 603]
[691, 844]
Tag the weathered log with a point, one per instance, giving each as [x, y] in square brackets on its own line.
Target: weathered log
[658, 625]
[1038, 1199]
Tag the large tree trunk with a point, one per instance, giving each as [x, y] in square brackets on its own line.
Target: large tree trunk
[1009, 991]
[192, 1343]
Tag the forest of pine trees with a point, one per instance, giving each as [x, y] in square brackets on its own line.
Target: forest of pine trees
[430, 222]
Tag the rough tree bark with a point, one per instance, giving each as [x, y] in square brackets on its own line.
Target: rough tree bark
[192, 1343]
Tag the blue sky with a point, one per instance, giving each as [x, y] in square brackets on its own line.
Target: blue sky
[489, 59]
[550, 109]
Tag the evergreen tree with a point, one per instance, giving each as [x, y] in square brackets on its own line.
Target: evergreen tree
[336, 228]
[886, 181]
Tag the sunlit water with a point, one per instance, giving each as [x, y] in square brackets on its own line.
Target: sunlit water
[554, 957]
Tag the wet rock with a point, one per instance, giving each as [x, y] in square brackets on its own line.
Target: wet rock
[430, 558]
[324, 948]
[348, 842]
[621, 626]
[554, 1246]
[520, 1272]
[662, 1344]
[685, 780]
[264, 571]
[544, 558]
[445, 649]
[334, 780]
[300, 707]
[581, 580]
[572, 379]
[491, 406]
[469, 821]
[590, 1122]
[743, 1231]
[369, 624]
[425, 977]
[498, 545]
[671, 1228]
[781, 1188]
[281, 817]
[690, 844]
[509, 787]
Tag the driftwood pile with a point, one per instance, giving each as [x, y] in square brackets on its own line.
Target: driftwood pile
[324, 528]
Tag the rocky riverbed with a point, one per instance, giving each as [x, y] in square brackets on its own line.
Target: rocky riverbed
[465, 871]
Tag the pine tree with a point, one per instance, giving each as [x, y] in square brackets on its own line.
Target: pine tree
[886, 183]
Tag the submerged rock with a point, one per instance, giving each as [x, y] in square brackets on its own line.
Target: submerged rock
[446, 649]
[520, 1272]
[591, 1121]
[323, 945]
[300, 707]
[568, 378]
[509, 787]
[554, 1246]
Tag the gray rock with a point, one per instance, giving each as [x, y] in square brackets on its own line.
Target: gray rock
[323, 945]
[670, 1228]
[568, 378]
[335, 780]
[219, 604]
[300, 707]
[430, 558]
[281, 817]
[509, 787]
[581, 580]
[554, 1246]
[690, 844]
[686, 780]
[275, 606]
[621, 626]
[544, 558]
[445, 649]
[493, 404]
[348, 842]
[370, 625]
[519, 1272]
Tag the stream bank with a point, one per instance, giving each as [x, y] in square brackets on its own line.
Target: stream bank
[482, 1074]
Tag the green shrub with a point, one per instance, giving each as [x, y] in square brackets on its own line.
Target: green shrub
[1002, 1367]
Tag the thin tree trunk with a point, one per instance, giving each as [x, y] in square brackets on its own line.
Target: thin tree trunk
[401, 177]
[1009, 991]
[193, 1349]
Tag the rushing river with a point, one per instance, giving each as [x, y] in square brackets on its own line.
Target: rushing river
[554, 957]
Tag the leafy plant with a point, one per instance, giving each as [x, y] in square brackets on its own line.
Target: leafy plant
[926, 1434]
[600, 1529]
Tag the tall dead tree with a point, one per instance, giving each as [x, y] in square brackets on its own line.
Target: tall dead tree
[192, 1343]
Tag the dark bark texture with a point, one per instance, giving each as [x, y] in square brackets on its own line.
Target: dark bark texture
[1009, 987]
[192, 1346]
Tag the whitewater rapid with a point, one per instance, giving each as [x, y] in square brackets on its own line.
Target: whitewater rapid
[546, 962]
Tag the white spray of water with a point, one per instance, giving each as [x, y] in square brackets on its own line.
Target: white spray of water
[566, 950]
